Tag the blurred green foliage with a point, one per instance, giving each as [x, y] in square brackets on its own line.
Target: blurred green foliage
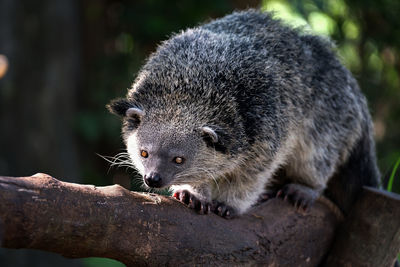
[101, 262]
[119, 35]
[392, 175]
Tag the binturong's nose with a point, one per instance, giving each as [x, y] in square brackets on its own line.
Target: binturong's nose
[153, 179]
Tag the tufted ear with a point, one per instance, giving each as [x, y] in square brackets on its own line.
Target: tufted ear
[119, 106]
[209, 134]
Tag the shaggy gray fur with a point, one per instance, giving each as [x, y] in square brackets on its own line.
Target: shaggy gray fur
[243, 99]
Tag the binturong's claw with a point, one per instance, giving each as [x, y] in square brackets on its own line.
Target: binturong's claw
[223, 210]
[193, 202]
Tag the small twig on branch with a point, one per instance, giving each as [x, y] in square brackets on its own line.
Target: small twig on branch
[76, 220]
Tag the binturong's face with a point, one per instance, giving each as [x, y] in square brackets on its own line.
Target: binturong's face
[167, 154]
[163, 154]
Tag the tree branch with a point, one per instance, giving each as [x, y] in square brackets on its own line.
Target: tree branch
[370, 236]
[76, 220]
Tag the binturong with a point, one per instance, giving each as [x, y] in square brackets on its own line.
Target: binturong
[245, 107]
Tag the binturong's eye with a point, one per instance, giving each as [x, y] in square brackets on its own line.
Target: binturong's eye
[144, 153]
[179, 160]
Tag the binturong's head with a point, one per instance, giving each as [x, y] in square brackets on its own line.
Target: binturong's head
[170, 147]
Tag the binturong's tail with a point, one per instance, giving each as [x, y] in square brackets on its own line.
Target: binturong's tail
[360, 169]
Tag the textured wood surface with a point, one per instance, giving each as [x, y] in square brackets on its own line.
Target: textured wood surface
[75, 220]
[370, 236]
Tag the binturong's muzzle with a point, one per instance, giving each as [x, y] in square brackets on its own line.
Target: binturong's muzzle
[153, 179]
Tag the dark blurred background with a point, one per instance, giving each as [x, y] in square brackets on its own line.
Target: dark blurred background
[62, 61]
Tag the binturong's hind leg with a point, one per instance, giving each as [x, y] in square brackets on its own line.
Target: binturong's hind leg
[301, 196]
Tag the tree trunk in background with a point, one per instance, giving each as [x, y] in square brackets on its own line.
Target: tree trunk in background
[37, 95]
[37, 98]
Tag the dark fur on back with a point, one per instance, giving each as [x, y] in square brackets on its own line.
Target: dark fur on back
[276, 99]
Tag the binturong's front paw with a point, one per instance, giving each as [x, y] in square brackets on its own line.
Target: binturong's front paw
[201, 206]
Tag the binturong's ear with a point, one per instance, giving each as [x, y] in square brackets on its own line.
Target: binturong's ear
[119, 106]
[209, 135]
[134, 114]
[215, 138]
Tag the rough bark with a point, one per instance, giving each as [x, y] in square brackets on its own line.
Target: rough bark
[370, 236]
[76, 220]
